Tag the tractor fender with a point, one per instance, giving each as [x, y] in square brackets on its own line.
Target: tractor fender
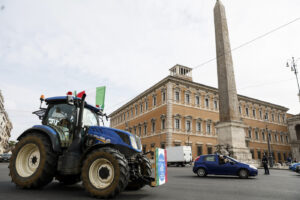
[93, 147]
[51, 133]
[127, 152]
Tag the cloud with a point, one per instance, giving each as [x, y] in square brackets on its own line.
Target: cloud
[54, 46]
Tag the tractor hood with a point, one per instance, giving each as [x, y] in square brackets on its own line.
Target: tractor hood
[116, 137]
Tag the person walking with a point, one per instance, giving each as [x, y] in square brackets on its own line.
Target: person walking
[265, 164]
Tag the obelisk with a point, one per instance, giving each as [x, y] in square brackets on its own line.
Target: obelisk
[230, 129]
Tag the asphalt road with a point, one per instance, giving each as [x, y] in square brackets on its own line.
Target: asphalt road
[182, 184]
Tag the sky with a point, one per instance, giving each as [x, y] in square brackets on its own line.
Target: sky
[53, 46]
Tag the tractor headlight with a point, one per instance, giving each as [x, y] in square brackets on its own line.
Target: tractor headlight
[133, 142]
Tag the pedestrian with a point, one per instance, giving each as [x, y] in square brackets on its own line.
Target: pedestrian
[265, 164]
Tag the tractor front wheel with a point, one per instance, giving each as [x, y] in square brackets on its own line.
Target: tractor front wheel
[33, 162]
[105, 173]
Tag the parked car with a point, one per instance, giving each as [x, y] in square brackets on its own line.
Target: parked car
[298, 169]
[293, 166]
[5, 157]
[222, 165]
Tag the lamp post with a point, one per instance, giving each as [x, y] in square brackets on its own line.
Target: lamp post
[269, 148]
[293, 64]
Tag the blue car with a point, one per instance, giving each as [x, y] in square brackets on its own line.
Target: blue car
[293, 166]
[222, 165]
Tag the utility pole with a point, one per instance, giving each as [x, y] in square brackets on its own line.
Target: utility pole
[293, 64]
[269, 148]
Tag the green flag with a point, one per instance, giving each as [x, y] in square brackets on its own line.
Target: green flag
[100, 96]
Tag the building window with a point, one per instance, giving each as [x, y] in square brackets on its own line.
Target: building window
[209, 150]
[163, 96]
[247, 112]
[272, 117]
[153, 126]
[199, 126]
[208, 128]
[199, 150]
[284, 156]
[249, 133]
[252, 153]
[188, 126]
[177, 96]
[276, 138]
[216, 104]
[206, 103]
[283, 118]
[127, 114]
[256, 135]
[136, 110]
[278, 118]
[140, 130]
[270, 137]
[240, 109]
[177, 123]
[187, 98]
[279, 157]
[163, 124]
[145, 129]
[146, 105]
[287, 139]
[131, 112]
[154, 100]
[263, 136]
[259, 154]
[134, 130]
[260, 114]
[197, 100]
[141, 107]
[267, 116]
[281, 138]
[254, 113]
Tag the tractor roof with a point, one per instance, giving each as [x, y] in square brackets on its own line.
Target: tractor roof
[63, 99]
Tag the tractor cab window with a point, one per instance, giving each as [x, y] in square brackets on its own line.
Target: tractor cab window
[61, 115]
[89, 118]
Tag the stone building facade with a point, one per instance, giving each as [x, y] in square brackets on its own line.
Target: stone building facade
[177, 111]
[294, 131]
[5, 127]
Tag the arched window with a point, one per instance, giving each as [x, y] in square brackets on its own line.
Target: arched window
[297, 127]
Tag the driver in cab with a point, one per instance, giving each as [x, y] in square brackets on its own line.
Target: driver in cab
[222, 160]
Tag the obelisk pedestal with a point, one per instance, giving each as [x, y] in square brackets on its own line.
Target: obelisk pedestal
[230, 129]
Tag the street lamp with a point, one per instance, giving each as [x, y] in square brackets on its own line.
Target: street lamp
[269, 148]
[293, 64]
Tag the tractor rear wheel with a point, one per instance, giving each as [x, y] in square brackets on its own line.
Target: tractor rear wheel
[105, 173]
[33, 162]
[68, 179]
[145, 171]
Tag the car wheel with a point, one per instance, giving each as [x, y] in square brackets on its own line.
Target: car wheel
[243, 173]
[201, 172]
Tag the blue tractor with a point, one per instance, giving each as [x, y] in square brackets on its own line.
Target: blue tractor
[71, 146]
